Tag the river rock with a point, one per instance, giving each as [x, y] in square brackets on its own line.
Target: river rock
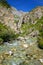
[41, 60]
[1, 59]
[10, 53]
[32, 62]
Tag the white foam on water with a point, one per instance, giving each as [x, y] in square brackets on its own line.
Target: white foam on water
[14, 63]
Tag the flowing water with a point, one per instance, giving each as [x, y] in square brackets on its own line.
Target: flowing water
[14, 52]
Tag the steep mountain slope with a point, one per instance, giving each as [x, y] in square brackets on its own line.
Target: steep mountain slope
[10, 16]
[35, 14]
[31, 19]
[24, 23]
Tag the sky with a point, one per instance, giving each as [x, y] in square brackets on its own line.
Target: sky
[25, 5]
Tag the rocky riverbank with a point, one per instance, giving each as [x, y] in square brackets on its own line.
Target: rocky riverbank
[19, 53]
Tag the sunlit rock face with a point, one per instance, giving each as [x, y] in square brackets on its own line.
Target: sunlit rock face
[11, 17]
[31, 17]
[7, 18]
[38, 13]
[25, 45]
[41, 60]
[14, 18]
[16, 12]
[19, 16]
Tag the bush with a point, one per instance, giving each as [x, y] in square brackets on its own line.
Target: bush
[6, 33]
[40, 42]
[1, 41]
[4, 3]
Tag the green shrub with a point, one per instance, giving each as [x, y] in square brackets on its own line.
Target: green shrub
[4, 3]
[40, 42]
[6, 33]
[40, 38]
[1, 41]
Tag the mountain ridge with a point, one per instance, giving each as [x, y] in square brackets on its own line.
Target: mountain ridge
[14, 18]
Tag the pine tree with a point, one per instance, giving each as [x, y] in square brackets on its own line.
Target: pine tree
[4, 3]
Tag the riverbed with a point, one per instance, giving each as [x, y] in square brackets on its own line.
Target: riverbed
[18, 51]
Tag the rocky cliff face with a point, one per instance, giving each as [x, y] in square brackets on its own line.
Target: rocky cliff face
[6, 17]
[10, 17]
[32, 16]
[14, 18]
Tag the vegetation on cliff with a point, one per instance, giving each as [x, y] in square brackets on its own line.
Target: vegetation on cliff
[4, 3]
[6, 34]
[40, 37]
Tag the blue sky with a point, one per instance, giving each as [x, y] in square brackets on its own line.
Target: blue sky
[25, 5]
